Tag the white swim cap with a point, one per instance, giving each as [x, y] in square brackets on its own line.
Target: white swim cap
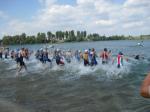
[86, 50]
[57, 49]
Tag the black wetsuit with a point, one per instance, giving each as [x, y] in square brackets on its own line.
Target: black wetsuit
[93, 60]
[6, 54]
[1, 55]
[137, 57]
[21, 61]
[58, 59]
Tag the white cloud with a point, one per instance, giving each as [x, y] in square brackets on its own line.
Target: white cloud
[104, 17]
[136, 3]
[3, 15]
[133, 24]
[104, 22]
[47, 2]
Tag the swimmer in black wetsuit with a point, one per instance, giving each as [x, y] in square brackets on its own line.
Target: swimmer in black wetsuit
[21, 62]
[1, 54]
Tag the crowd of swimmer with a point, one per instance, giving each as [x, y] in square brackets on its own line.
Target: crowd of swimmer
[18, 55]
[88, 57]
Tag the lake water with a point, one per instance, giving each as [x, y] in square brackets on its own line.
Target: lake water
[75, 88]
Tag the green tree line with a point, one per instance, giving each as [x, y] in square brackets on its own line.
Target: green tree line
[61, 36]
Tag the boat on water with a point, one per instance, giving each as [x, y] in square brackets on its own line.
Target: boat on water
[48, 46]
[140, 44]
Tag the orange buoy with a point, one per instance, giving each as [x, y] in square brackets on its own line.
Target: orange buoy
[145, 88]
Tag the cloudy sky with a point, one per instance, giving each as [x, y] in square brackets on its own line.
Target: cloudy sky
[109, 17]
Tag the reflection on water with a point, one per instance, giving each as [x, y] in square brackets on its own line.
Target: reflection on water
[75, 88]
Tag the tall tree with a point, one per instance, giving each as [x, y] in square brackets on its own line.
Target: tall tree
[49, 35]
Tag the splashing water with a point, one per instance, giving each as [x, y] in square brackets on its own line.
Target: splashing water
[73, 70]
[74, 87]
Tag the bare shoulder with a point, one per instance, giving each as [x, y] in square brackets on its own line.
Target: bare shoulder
[145, 87]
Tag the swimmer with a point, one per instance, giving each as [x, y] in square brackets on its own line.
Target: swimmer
[22, 63]
[93, 57]
[104, 55]
[138, 57]
[68, 56]
[1, 54]
[59, 59]
[86, 58]
[119, 59]
[145, 87]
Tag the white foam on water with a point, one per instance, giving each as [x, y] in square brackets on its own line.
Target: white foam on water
[55, 67]
[73, 70]
[12, 66]
[76, 70]
[6, 60]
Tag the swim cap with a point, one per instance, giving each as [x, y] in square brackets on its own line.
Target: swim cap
[57, 49]
[93, 49]
[86, 50]
[105, 49]
[120, 53]
[18, 49]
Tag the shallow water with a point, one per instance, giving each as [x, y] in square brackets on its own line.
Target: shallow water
[75, 88]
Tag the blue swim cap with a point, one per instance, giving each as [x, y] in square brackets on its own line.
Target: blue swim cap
[18, 49]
